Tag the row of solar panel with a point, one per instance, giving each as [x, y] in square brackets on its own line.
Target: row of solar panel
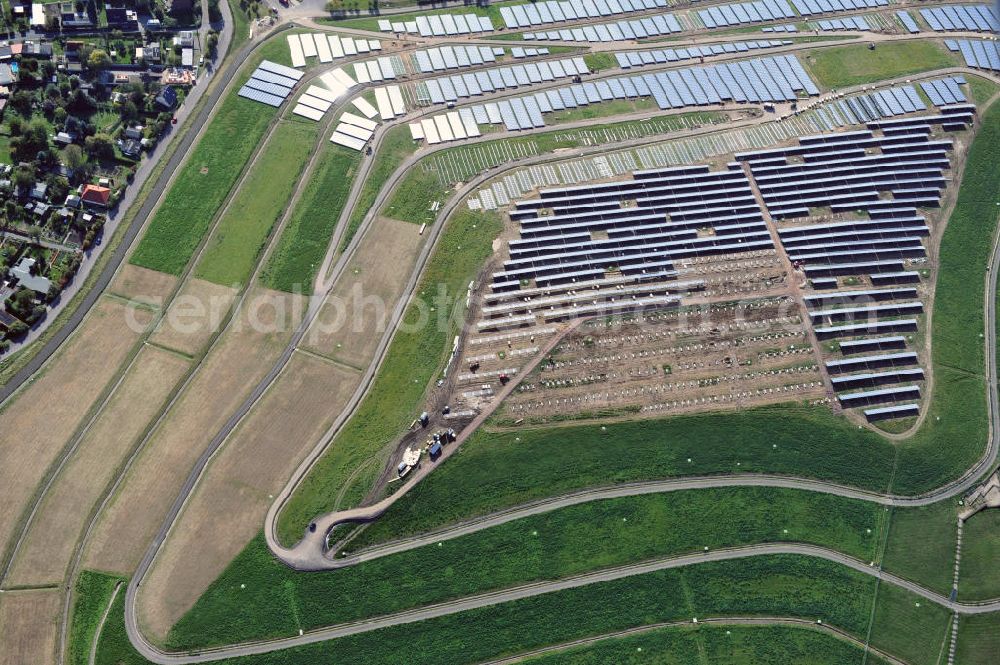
[552, 11]
[810, 7]
[973, 18]
[629, 59]
[745, 12]
[383, 69]
[439, 25]
[453, 57]
[520, 52]
[762, 80]
[849, 23]
[945, 91]
[270, 83]
[980, 54]
[780, 28]
[460, 86]
[327, 47]
[651, 26]
[907, 21]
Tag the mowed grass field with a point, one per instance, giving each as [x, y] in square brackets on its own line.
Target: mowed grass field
[980, 572]
[845, 66]
[302, 245]
[556, 545]
[772, 586]
[245, 226]
[414, 357]
[209, 174]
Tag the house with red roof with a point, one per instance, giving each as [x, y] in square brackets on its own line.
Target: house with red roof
[95, 195]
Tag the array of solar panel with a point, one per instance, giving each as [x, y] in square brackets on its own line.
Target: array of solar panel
[810, 7]
[775, 79]
[860, 109]
[383, 69]
[971, 18]
[848, 23]
[944, 92]
[628, 59]
[270, 83]
[780, 28]
[907, 21]
[461, 86]
[978, 54]
[745, 12]
[519, 52]
[540, 13]
[453, 57]
[650, 26]
[641, 241]
[851, 171]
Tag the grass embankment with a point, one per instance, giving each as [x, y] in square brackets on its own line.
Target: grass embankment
[396, 146]
[845, 66]
[921, 544]
[560, 544]
[417, 353]
[430, 179]
[613, 107]
[208, 175]
[978, 639]
[293, 264]
[716, 643]
[980, 574]
[232, 252]
[787, 586]
[92, 595]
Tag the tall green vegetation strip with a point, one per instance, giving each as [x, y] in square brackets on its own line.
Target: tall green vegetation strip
[92, 594]
[293, 264]
[209, 174]
[232, 252]
[417, 353]
[780, 585]
[240, 604]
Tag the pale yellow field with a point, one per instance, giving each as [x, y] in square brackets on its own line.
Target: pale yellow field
[229, 505]
[40, 420]
[229, 373]
[29, 626]
[48, 548]
[350, 316]
[197, 311]
[142, 284]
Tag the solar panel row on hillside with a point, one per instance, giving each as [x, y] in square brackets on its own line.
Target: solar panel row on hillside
[628, 59]
[270, 83]
[551, 11]
[651, 26]
[971, 18]
[745, 12]
[810, 7]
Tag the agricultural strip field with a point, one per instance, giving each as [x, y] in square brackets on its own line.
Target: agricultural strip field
[28, 624]
[194, 316]
[232, 252]
[356, 313]
[921, 544]
[47, 412]
[773, 585]
[978, 639]
[292, 264]
[242, 356]
[208, 175]
[46, 553]
[415, 355]
[556, 545]
[228, 507]
[142, 284]
[845, 66]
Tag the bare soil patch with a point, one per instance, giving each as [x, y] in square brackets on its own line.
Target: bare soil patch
[232, 368]
[39, 421]
[46, 552]
[29, 626]
[229, 505]
[142, 284]
[193, 316]
[355, 314]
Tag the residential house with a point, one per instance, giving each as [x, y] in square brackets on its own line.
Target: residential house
[184, 39]
[39, 191]
[130, 148]
[22, 274]
[167, 99]
[7, 77]
[121, 17]
[95, 195]
[181, 7]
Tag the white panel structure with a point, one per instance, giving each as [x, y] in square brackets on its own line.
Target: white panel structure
[416, 131]
[347, 141]
[356, 132]
[358, 121]
[307, 112]
[365, 107]
[336, 50]
[322, 93]
[344, 78]
[456, 124]
[320, 105]
[308, 46]
[444, 128]
[295, 47]
[430, 131]
[396, 100]
[322, 47]
[383, 103]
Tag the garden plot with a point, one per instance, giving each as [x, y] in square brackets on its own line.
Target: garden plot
[29, 625]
